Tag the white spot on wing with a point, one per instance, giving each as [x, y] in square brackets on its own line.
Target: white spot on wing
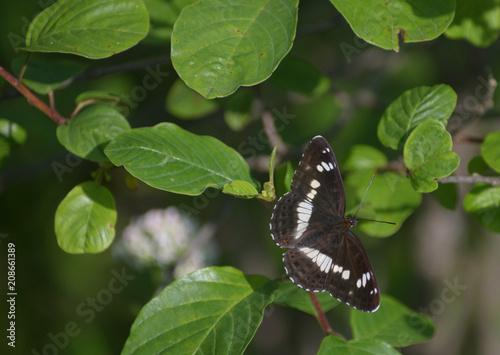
[326, 166]
[315, 184]
[346, 274]
[320, 168]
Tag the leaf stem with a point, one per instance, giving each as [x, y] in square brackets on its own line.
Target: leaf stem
[321, 317]
[32, 98]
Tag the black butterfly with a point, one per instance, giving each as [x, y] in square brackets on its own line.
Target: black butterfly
[310, 220]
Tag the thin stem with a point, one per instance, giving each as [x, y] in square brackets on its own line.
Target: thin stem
[23, 69]
[321, 317]
[32, 98]
[474, 178]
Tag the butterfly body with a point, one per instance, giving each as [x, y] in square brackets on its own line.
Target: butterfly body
[323, 255]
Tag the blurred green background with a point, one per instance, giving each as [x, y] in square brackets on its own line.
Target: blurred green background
[434, 249]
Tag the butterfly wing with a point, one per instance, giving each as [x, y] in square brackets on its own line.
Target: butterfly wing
[317, 193]
[339, 265]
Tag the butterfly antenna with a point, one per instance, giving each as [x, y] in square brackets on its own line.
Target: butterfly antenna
[371, 220]
[373, 176]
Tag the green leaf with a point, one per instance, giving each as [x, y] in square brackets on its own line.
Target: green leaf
[447, 195]
[300, 76]
[185, 103]
[476, 21]
[12, 131]
[218, 46]
[390, 198]
[290, 295]
[483, 202]
[238, 112]
[87, 134]
[169, 158]
[412, 108]
[216, 310]
[90, 28]
[284, 175]
[364, 157]
[85, 219]
[427, 154]
[99, 96]
[382, 23]
[44, 75]
[335, 345]
[4, 149]
[393, 323]
[240, 188]
[478, 165]
[490, 149]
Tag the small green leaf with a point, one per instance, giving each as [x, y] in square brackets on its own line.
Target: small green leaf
[382, 23]
[284, 175]
[100, 96]
[300, 76]
[427, 154]
[219, 46]
[476, 21]
[478, 165]
[216, 310]
[44, 75]
[85, 219]
[335, 345]
[490, 149]
[483, 202]
[447, 195]
[393, 323]
[12, 131]
[240, 188]
[364, 157]
[90, 28]
[87, 134]
[238, 111]
[172, 159]
[412, 108]
[290, 295]
[185, 103]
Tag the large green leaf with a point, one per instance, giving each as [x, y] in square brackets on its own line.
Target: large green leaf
[383, 23]
[89, 28]
[220, 45]
[87, 134]
[390, 198]
[172, 159]
[483, 202]
[85, 219]
[428, 155]
[490, 150]
[290, 295]
[476, 21]
[338, 346]
[412, 108]
[393, 323]
[44, 75]
[12, 131]
[211, 311]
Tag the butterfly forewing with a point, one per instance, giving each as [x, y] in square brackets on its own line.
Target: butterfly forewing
[309, 220]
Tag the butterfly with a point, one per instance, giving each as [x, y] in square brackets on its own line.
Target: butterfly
[309, 220]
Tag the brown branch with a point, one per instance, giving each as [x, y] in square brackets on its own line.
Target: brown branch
[321, 317]
[474, 179]
[32, 98]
